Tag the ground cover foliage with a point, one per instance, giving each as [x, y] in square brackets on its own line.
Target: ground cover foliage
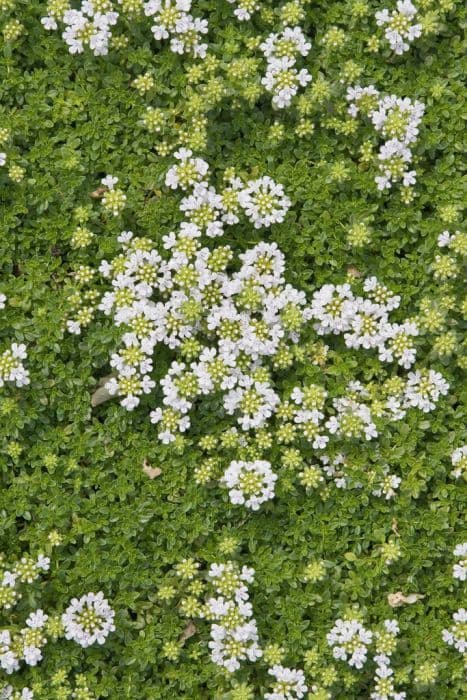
[91, 486]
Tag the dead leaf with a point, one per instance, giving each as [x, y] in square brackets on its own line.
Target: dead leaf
[353, 272]
[395, 600]
[101, 394]
[188, 632]
[394, 527]
[97, 194]
[152, 472]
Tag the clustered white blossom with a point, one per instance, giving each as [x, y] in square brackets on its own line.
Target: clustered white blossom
[234, 634]
[26, 570]
[289, 683]
[26, 644]
[113, 198]
[245, 8]
[383, 678]
[12, 368]
[456, 635]
[400, 30]
[232, 322]
[250, 483]
[452, 240]
[459, 570]
[397, 119]
[335, 469]
[172, 20]
[89, 619]
[264, 201]
[350, 641]
[88, 26]
[23, 644]
[424, 387]
[8, 693]
[459, 462]
[282, 78]
[364, 321]
[91, 24]
[2, 158]
[387, 485]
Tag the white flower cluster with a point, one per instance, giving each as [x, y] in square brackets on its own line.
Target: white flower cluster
[24, 644]
[26, 570]
[88, 26]
[335, 469]
[289, 685]
[232, 322]
[459, 462]
[8, 693]
[459, 570]
[353, 415]
[263, 200]
[250, 483]
[228, 321]
[364, 322]
[113, 198]
[424, 387]
[383, 678]
[85, 621]
[172, 20]
[234, 634]
[2, 158]
[12, 368]
[456, 635]
[27, 646]
[400, 30]
[349, 641]
[388, 485]
[452, 240]
[397, 119]
[245, 8]
[282, 78]
[91, 25]
[88, 620]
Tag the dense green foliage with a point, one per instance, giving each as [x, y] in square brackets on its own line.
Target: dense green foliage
[68, 467]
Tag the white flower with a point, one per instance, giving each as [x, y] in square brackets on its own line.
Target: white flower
[282, 79]
[456, 635]
[459, 570]
[88, 619]
[349, 640]
[290, 683]
[37, 619]
[444, 239]
[43, 562]
[32, 655]
[288, 43]
[2, 158]
[423, 389]
[356, 94]
[399, 31]
[250, 483]
[264, 202]
[459, 461]
[387, 486]
[188, 172]
[245, 8]
[109, 181]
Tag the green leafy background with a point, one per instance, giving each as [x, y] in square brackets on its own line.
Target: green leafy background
[76, 118]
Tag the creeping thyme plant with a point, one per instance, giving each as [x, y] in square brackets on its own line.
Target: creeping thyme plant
[232, 350]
